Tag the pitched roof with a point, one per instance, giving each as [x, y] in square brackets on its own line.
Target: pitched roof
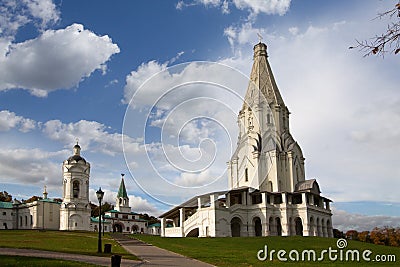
[6, 205]
[122, 190]
[262, 80]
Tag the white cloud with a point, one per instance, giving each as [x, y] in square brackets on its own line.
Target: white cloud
[294, 30]
[137, 203]
[45, 10]
[345, 221]
[31, 166]
[57, 59]
[9, 120]
[15, 13]
[136, 78]
[92, 134]
[268, 6]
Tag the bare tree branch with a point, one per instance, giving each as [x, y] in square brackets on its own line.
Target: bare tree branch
[386, 42]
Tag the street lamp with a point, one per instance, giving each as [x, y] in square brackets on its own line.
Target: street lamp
[99, 195]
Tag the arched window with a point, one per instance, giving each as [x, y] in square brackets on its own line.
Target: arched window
[270, 187]
[120, 201]
[75, 189]
[246, 175]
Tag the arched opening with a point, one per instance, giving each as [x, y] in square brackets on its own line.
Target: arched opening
[257, 226]
[75, 189]
[318, 227]
[278, 226]
[270, 226]
[312, 227]
[117, 227]
[135, 228]
[329, 228]
[299, 226]
[193, 233]
[120, 201]
[235, 227]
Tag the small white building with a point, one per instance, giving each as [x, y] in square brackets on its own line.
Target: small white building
[7, 215]
[121, 219]
[40, 214]
[268, 193]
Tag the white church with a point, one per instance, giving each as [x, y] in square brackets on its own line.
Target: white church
[268, 194]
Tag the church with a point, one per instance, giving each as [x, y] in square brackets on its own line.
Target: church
[268, 194]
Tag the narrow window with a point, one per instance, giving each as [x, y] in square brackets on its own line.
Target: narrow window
[246, 175]
[75, 189]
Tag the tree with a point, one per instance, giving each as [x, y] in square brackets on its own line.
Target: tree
[338, 234]
[104, 207]
[6, 197]
[352, 234]
[31, 199]
[386, 42]
[364, 236]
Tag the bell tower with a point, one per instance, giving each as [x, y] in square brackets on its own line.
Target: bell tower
[75, 209]
[122, 201]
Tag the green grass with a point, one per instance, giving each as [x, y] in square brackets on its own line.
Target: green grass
[242, 251]
[36, 262]
[61, 241]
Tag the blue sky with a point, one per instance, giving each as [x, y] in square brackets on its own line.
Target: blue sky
[70, 68]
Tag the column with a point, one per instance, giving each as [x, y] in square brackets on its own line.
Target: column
[304, 198]
[311, 199]
[198, 203]
[213, 199]
[327, 205]
[181, 217]
[163, 224]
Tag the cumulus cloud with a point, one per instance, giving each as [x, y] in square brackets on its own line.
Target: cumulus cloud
[137, 203]
[31, 166]
[268, 7]
[57, 59]
[92, 134]
[9, 120]
[14, 14]
[136, 78]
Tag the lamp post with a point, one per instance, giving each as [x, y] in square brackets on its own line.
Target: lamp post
[99, 195]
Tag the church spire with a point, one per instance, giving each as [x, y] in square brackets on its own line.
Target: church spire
[262, 79]
[122, 190]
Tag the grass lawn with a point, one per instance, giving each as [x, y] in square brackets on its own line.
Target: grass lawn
[68, 242]
[36, 262]
[242, 251]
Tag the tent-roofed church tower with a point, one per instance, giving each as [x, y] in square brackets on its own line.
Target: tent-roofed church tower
[267, 157]
[268, 194]
[75, 208]
[122, 201]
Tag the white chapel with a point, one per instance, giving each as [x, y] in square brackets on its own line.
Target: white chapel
[268, 192]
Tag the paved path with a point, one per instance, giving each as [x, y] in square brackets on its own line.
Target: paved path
[154, 256]
[102, 261]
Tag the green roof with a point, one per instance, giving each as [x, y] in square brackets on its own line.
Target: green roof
[6, 205]
[122, 190]
[155, 225]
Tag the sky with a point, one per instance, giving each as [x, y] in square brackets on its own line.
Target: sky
[152, 89]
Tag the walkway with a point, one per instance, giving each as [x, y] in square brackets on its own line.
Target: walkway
[101, 261]
[154, 256]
